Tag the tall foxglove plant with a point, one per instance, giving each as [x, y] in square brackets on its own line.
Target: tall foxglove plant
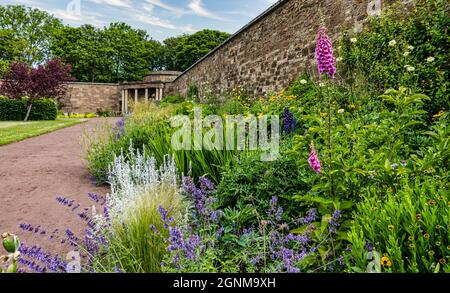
[326, 66]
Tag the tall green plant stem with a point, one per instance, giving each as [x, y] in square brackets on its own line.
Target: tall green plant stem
[330, 145]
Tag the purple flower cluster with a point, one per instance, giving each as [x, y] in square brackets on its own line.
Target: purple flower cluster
[334, 222]
[119, 129]
[189, 246]
[275, 211]
[201, 198]
[324, 54]
[165, 217]
[290, 122]
[38, 260]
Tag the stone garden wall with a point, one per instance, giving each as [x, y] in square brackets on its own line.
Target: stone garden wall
[90, 97]
[272, 50]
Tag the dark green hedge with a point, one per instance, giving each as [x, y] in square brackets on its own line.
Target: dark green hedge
[15, 110]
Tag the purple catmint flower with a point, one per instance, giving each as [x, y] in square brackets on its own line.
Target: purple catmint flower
[165, 217]
[120, 123]
[324, 54]
[334, 222]
[274, 210]
[313, 160]
[154, 229]
[219, 232]
[368, 246]
[119, 129]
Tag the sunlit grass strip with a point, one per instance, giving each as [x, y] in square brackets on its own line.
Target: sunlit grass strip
[12, 131]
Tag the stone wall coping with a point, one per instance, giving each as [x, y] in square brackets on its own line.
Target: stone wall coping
[92, 83]
[275, 6]
[164, 72]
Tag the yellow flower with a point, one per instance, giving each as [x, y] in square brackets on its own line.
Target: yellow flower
[438, 115]
[426, 236]
[411, 238]
[431, 253]
[391, 227]
[385, 261]
[442, 261]
[323, 114]
[431, 202]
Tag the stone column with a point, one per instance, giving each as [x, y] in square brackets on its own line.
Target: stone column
[146, 94]
[136, 96]
[123, 101]
[126, 100]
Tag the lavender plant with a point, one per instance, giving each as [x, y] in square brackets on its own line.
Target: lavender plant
[210, 242]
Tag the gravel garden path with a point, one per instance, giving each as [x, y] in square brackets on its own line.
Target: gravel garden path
[34, 172]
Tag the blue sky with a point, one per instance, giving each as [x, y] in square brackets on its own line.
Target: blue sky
[160, 18]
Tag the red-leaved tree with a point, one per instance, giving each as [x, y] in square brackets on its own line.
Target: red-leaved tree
[44, 81]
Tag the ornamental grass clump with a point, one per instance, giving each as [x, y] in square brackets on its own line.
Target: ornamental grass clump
[138, 188]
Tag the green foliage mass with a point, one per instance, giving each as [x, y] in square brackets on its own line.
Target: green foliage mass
[15, 110]
[408, 47]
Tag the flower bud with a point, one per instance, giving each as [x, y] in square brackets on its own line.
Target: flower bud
[11, 243]
[11, 269]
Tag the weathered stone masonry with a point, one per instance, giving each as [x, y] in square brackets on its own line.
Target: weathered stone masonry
[90, 97]
[275, 48]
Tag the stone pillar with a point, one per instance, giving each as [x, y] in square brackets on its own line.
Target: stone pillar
[146, 94]
[136, 96]
[126, 100]
[123, 101]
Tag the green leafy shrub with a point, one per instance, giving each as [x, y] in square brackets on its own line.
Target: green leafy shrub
[178, 99]
[406, 47]
[252, 182]
[103, 113]
[15, 110]
[410, 227]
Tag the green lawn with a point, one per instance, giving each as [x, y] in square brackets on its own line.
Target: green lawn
[12, 131]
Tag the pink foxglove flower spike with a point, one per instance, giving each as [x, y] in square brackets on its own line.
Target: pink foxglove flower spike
[313, 160]
[324, 54]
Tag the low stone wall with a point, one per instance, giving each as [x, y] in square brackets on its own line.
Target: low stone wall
[90, 97]
[275, 48]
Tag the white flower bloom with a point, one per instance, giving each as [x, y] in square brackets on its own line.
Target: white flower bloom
[341, 111]
[321, 84]
[406, 54]
[430, 59]
[392, 43]
[353, 40]
[303, 81]
[410, 47]
[339, 59]
[410, 68]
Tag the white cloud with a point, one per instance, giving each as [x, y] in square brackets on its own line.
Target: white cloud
[160, 4]
[197, 8]
[116, 3]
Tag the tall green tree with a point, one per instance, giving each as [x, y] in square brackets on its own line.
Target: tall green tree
[11, 49]
[33, 26]
[126, 48]
[85, 49]
[189, 49]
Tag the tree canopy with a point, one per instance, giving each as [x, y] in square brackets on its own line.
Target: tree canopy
[114, 53]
